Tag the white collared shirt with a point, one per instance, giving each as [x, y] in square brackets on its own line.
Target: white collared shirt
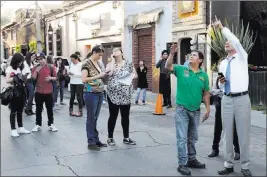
[239, 79]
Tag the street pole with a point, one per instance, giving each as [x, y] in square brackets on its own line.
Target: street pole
[38, 29]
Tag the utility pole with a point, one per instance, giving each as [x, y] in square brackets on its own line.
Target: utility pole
[38, 29]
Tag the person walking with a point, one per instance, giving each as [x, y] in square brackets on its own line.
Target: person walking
[217, 94]
[93, 95]
[76, 85]
[164, 80]
[142, 84]
[14, 79]
[119, 95]
[28, 65]
[44, 73]
[236, 105]
[192, 87]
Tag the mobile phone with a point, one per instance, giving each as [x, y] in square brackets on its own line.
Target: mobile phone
[221, 75]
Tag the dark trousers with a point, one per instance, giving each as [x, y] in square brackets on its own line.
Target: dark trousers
[167, 99]
[40, 99]
[93, 103]
[113, 115]
[61, 90]
[76, 89]
[16, 109]
[30, 91]
[218, 131]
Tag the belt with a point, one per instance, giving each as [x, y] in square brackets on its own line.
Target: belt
[236, 94]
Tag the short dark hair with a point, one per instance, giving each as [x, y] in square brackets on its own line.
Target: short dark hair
[164, 51]
[97, 49]
[16, 59]
[75, 56]
[78, 53]
[200, 56]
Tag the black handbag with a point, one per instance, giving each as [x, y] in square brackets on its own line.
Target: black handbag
[7, 95]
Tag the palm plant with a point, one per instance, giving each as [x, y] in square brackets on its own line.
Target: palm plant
[246, 36]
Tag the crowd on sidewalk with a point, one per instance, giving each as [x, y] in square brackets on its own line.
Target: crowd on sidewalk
[40, 78]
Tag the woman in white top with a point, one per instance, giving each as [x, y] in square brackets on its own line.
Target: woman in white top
[28, 65]
[76, 85]
[14, 78]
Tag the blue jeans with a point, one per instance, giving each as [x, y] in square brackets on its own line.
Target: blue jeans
[138, 94]
[61, 89]
[30, 88]
[187, 123]
[93, 102]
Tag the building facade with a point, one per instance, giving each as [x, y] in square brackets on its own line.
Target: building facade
[147, 30]
[9, 39]
[79, 26]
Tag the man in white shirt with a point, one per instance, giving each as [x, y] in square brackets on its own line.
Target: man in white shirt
[235, 102]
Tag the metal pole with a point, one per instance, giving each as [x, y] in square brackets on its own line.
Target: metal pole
[38, 29]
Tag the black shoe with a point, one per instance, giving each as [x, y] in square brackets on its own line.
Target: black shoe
[129, 141]
[32, 113]
[246, 172]
[29, 113]
[93, 147]
[226, 171]
[136, 102]
[169, 106]
[183, 170]
[237, 156]
[100, 144]
[195, 164]
[213, 153]
[164, 105]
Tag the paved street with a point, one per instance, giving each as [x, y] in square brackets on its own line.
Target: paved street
[65, 152]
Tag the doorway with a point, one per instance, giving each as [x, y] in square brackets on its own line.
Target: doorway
[184, 49]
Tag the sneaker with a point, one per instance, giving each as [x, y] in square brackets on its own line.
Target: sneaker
[37, 128]
[62, 103]
[246, 172]
[22, 130]
[104, 102]
[129, 141]
[100, 144]
[111, 142]
[144, 103]
[136, 102]
[93, 147]
[183, 170]
[195, 164]
[52, 128]
[14, 133]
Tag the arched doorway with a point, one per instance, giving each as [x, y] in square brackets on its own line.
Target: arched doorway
[184, 49]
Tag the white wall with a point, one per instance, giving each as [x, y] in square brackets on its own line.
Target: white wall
[163, 27]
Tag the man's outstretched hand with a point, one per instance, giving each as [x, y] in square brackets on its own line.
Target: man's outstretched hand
[217, 23]
[173, 48]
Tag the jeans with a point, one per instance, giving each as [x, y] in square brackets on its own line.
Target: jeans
[30, 89]
[40, 99]
[61, 89]
[113, 115]
[93, 102]
[186, 133]
[54, 83]
[76, 89]
[138, 94]
[16, 109]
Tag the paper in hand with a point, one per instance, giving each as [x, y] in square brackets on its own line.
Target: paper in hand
[127, 80]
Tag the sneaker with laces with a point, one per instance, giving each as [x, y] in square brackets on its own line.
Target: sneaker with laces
[129, 141]
[22, 130]
[52, 128]
[195, 164]
[111, 142]
[37, 128]
[14, 133]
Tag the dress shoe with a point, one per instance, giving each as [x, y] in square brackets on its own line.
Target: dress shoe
[100, 144]
[246, 172]
[195, 164]
[226, 171]
[183, 170]
[213, 153]
[93, 147]
[237, 156]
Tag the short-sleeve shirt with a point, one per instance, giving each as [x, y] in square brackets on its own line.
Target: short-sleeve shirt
[96, 85]
[190, 86]
[10, 71]
[119, 93]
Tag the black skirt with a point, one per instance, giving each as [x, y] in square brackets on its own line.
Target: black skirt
[164, 84]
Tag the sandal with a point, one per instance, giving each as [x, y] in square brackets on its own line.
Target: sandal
[72, 113]
[79, 114]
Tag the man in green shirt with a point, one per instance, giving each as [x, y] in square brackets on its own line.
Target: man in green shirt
[192, 86]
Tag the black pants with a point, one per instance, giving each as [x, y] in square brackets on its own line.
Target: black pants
[76, 89]
[167, 99]
[113, 115]
[40, 99]
[16, 109]
[218, 132]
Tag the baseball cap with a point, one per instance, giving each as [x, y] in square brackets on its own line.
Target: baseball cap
[40, 55]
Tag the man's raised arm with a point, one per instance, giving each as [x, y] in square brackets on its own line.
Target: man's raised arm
[169, 61]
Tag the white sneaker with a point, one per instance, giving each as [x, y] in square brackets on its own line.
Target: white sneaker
[14, 133]
[37, 128]
[104, 102]
[52, 128]
[22, 130]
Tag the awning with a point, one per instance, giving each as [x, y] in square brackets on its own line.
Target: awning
[144, 18]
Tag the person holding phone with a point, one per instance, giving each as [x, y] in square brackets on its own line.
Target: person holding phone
[236, 106]
[193, 86]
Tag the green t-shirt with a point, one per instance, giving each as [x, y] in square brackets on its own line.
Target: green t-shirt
[190, 86]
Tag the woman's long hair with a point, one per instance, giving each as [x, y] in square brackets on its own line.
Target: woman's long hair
[16, 60]
[28, 58]
[62, 66]
[49, 59]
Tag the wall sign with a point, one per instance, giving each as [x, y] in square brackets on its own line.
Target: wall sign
[92, 23]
